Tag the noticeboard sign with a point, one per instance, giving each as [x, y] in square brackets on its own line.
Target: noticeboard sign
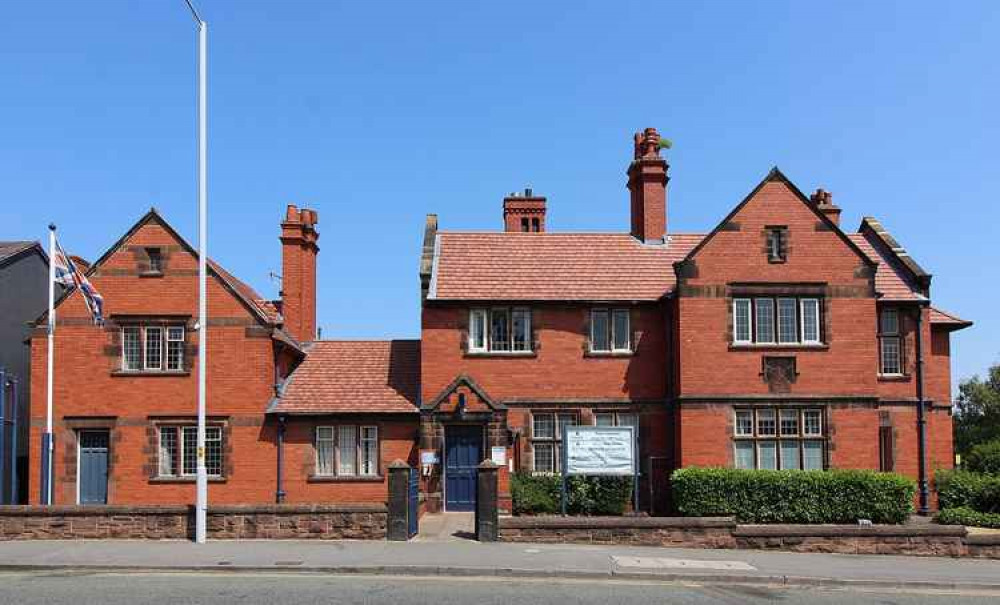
[599, 450]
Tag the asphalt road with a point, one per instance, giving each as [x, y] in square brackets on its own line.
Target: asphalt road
[290, 589]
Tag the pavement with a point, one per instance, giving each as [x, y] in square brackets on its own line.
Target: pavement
[471, 559]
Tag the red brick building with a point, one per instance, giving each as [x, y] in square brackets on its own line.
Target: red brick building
[777, 340]
[125, 392]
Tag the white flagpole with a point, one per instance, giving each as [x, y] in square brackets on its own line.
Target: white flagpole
[47, 445]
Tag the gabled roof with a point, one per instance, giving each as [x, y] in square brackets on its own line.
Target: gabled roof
[353, 376]
[948, 321]
[466, 381]
[775, 175]
[554, 266]
[11, 250]
[262, 309]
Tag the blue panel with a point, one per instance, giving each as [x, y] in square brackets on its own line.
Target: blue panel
[413, 504]
[93, 467]
[463, 453]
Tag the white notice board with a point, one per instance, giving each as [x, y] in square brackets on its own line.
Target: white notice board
[599, 450]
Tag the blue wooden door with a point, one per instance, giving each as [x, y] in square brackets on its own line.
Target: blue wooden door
[463, 453]
[93, 467]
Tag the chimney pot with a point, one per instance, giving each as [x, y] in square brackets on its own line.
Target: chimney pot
[647, 184]
[524, 213]
[823, 200]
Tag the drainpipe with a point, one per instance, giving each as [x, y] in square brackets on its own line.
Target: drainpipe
[15, 402]
[921, 421]
[279, 494]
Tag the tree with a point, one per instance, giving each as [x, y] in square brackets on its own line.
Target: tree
[977, 413]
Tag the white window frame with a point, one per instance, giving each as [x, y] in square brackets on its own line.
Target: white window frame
[146, 350]
[894, 336]
[614, 331]
[795, 339]
[801, 438]
[334, 466]
[138, 338]
[489, 345]
[756, 320]
[736, 329]
[479, 320]
[362, 441]
[555, 441]
[329, 467]
[180, 430]
[176, 458]
[169, 340]
[802, 321]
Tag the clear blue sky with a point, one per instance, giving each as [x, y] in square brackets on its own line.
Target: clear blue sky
[376, 113]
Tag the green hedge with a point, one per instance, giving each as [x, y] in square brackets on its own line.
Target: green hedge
[836, 496]
[963, 515]
[976, 491]
[984, 458]
[540, 494]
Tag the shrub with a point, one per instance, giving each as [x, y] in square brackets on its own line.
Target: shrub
[984, 458]
[540, 494]
[976, 491]
[963, 515]
[836, 496]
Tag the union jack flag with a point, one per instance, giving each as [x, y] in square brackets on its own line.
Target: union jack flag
[68, 274]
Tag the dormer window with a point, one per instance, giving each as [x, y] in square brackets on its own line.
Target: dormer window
[777, 244]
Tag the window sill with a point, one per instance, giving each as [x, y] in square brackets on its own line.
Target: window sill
[502, 354]
[893, 378]
[151, 274]
[150, 373]
[173, 480]
[339, 479]
[607, 354]
[779, 347]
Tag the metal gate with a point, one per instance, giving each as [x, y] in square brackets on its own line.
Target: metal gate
[413, 504]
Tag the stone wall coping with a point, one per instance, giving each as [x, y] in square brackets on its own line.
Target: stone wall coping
[553, 522]
[837, 531]
[983, 539]
[182, 509]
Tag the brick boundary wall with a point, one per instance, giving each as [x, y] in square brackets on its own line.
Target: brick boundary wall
[242, 522]
[920, 540]
[692, 532]
[723, 532]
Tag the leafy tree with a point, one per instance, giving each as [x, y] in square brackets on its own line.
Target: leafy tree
[977, 411]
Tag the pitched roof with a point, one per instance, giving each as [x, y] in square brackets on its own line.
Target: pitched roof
[9, 250]
[554, 266]
[262, 308]
[340, 376]
[948, 320]
[892, 281]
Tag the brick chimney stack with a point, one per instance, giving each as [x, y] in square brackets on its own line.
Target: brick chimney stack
[298, 272]
[824, 203]
[524, 212]
[647, 182]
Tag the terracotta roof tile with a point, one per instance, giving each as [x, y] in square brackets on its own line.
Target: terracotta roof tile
[892, 281]
[265, 307]
[339, 377]
[554, 266]
[943, 317]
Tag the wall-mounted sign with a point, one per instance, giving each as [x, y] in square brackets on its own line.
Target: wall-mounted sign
[600, 450]
[499, 455]
[429, 457]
